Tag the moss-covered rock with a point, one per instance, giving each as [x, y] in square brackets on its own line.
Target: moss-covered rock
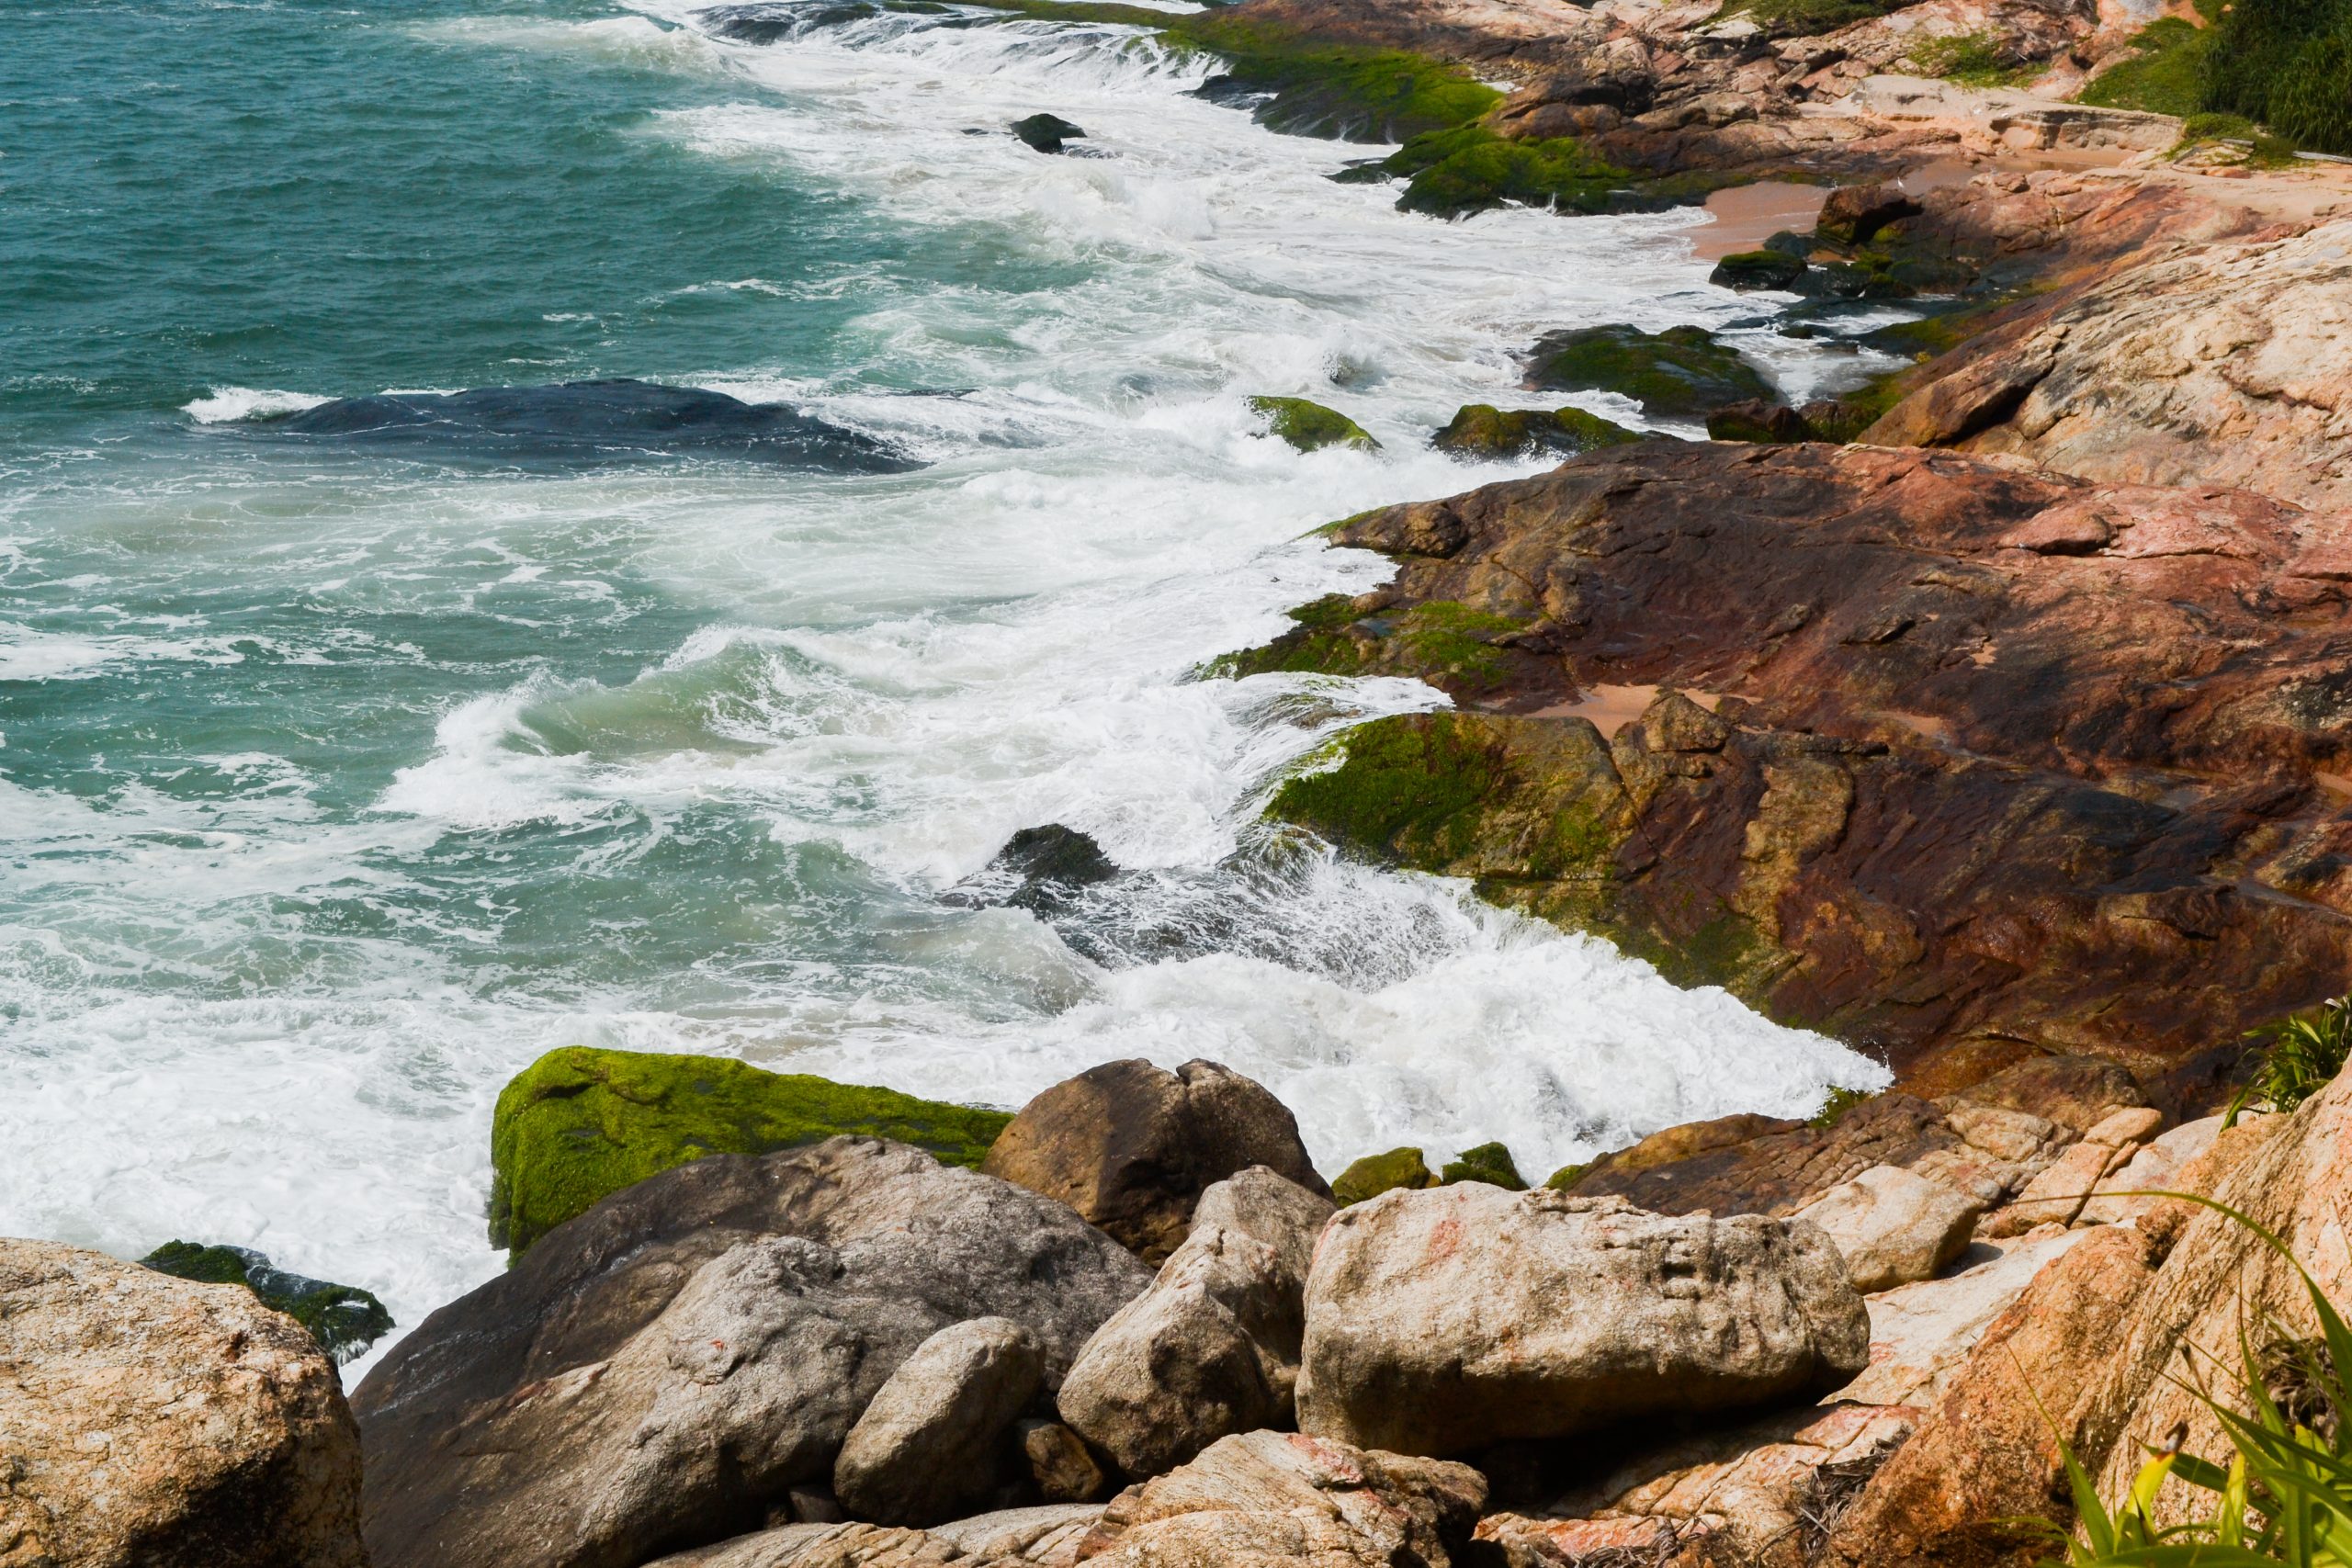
[1483, 430]
[1759, 422]
[1766, 269]
[1309, 426]
[1467, 168]
[1681, 373]
[1565, 1179]
[1451, 645]
[1489, 1163]
[581, 1123]
[1375, 1174]
[343, 1319]
[1347, 91]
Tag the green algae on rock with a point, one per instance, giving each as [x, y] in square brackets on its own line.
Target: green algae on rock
[1309, 426]
[1467, 168]
[1444, 642]
[1765, 269]
[1681, 373]
[1483, 430]
[343, 1319]
[1347, 91]
[1489, 1163]
[1374, 1174]
[581, 1123]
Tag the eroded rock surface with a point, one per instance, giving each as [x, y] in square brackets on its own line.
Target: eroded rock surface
[151, 1421]
[1446, 1321]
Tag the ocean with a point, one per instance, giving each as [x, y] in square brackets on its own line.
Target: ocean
[340, 780]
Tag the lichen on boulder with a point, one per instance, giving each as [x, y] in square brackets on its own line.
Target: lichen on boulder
[1484, 431]
[1681, 373]
[343, 1319]
[1309, 426]
[581, 1123]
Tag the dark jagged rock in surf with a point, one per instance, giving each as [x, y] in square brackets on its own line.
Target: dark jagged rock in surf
[1047, 132]
[594, 422]
[343, 1319]
[1039, 869]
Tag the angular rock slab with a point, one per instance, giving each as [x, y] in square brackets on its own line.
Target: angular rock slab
[1893, 1228]
[1282, 1497]
[660, 1371]
[1448, 1321]
[1213, 1347]
[1132, 1146]
[150, 1420]
[929, 1441]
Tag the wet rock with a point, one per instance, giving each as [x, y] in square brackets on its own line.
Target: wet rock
[1212, 1348]
[1852, 215]
[1754, 419]
[344, 1319]
[1681, 373]
[1748, 270]
[1481, 431]
[1432, 1325]
[1375, 1174]
[664, 1369]
[1276, 1497]
[1042, 869]
[1045, 132]
[581, 1123]
[2026, 898]
[1893, 1227]
[152, 1420]
[1132, 1146]
[580, 422]
[930, 1442]
[1310, 427]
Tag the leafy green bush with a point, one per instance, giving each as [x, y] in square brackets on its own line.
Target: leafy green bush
[2167, 78]
[2286, 63]
[2286, 1494]
[2295, 1058]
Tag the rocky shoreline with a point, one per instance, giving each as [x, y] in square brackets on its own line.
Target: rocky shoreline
[1990, 715]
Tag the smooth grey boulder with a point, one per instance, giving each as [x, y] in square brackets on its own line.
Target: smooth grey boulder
[1211, 1347]
[931, 1439]
[661, 1370]
[1448, 1320]
[1893, 1228]
[1132, 1146]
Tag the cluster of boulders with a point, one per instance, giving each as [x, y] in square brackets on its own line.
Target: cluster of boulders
[1144, 1332]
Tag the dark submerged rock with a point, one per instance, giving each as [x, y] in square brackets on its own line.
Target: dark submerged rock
[1765, 269]
[343, 1319]
[1045, 132]
[1483, 430]
[591, 423]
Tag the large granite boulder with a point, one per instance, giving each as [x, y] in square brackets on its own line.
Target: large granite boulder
[1444, 1322]
[581, 1123]
[1211, 1347]
[147, 1420]
[931, 1441]
[1132, 1146]
[658, 1372]
[1266, 1498]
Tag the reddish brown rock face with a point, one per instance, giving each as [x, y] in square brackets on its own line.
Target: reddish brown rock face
[1996, 754]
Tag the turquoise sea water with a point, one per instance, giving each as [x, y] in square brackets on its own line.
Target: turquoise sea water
[335, 786]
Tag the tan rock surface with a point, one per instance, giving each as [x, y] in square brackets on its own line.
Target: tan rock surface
[1893, 1228]
[150, 1421]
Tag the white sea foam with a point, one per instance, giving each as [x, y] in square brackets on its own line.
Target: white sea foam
[274, 1009]
[233, 405]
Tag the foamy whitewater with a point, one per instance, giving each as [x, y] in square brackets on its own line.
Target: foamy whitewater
[335, 788]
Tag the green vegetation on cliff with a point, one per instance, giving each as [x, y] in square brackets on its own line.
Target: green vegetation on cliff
[581, 1123]
[2286, 63]
[2167, 77]
[1309, 426]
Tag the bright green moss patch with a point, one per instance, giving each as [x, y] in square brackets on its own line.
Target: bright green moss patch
[1310, 426]
[1976, 59]
[1483, 430]
[579, 1124]
[1489, 1163]
[1411, 788]
[1834, 1108]
[1802, 18]
[1468, 168]
[1565, 1179]
[1327, 89]
[1375, 1174]
[343, 1319]
[2167, 78]
[1320, 647]
[1681, 372]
